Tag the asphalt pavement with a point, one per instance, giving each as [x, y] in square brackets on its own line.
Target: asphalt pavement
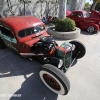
[19, 78]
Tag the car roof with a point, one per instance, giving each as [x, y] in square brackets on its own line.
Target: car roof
[79, 11]
[17, 23]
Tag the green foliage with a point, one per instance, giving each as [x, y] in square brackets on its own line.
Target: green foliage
[87, 6]
[68, 2]
[97, 7]
[64, 25]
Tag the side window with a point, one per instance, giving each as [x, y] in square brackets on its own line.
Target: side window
[6, 32]
[24, 33]
[79, 14]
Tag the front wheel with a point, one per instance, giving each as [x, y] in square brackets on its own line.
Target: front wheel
[79, 50]
[54, 79]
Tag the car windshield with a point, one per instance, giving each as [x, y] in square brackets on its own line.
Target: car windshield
[85, 14]
[30, 31]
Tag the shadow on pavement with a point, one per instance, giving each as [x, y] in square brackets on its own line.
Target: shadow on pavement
[12, 64]
[32, 88]
[86, 33]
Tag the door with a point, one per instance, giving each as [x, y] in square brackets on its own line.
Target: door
[8, 37]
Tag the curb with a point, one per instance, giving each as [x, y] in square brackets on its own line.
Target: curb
[64, 35]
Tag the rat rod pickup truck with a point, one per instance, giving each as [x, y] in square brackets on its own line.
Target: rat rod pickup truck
[89, 21]
[27, 36]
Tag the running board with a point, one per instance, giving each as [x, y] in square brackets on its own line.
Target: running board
[31, 54]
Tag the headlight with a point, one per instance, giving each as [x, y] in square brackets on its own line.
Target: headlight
[60, 63]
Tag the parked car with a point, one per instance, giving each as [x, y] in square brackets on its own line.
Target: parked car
[27, 36]
[89, 21]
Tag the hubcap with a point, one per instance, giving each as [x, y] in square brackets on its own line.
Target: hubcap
[90, 29]
[51, 82]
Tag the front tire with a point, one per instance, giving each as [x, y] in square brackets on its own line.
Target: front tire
[54, 79]
[80, 49]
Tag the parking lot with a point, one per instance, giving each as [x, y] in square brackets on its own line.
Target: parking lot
[19, 78]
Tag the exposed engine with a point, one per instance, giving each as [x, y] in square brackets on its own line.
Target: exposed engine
[45, 45]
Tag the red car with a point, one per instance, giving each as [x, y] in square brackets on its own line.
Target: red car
[86, 21]
[27, 36]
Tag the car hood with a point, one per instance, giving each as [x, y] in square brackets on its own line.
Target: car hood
[34, 39]
[95, 14]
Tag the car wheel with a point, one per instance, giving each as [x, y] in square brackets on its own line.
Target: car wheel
[54, 79]
[2, 45]
[79, 50]
[91, 29]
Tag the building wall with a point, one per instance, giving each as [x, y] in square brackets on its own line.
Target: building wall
[36, 8]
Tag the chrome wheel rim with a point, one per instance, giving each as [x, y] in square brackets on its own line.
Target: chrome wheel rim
[90, 29]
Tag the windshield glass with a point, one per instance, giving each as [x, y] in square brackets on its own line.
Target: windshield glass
[30, 31]
[85, 14]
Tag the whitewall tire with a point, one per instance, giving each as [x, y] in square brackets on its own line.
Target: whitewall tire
[54, 79]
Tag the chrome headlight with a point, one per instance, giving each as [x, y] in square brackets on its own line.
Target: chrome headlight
[60, 63]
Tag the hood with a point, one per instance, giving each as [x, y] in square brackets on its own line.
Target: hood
[35, 39]
[95, 14]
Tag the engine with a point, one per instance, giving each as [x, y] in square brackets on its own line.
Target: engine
[45, 45]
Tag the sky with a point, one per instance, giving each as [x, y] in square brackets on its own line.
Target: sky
[90, 1]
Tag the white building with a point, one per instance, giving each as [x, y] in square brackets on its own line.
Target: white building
[36, 7]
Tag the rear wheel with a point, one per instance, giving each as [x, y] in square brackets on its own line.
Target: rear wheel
[79, 50]
[91, 29]
[54, 79]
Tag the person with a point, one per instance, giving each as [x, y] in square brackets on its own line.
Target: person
[44, 20]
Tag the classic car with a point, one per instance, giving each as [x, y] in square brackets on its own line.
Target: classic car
[89, 21]
[27, 36]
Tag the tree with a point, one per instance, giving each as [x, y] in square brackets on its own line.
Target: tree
[87, 6]
[62, 8]
[94, 3]
[97, 7]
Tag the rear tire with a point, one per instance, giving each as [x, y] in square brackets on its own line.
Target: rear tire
[54, 79]
[91, 29]
[79, 47]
